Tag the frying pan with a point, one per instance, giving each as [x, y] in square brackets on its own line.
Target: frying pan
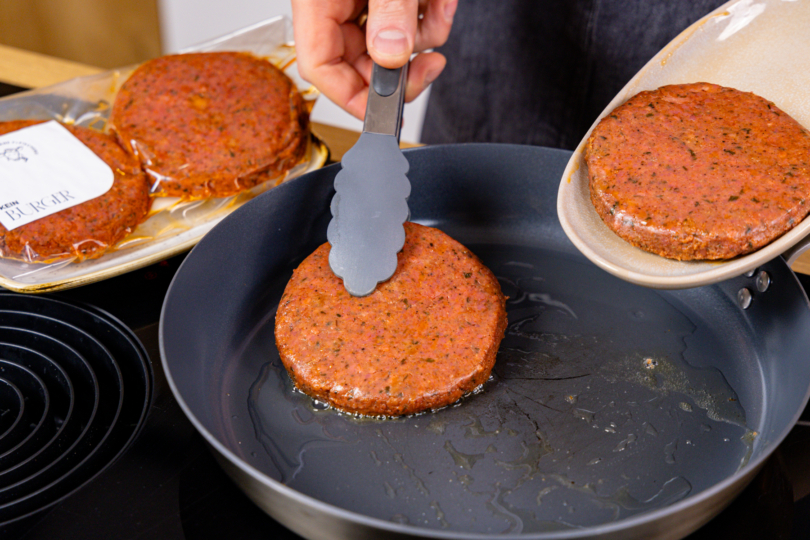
[613, 411]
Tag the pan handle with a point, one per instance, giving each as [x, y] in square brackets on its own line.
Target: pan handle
[796, 251]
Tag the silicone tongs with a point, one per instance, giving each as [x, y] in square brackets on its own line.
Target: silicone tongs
[370, 203]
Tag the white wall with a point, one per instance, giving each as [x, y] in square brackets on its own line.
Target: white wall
[187, 22]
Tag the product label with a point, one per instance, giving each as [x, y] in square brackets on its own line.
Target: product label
[45, 169]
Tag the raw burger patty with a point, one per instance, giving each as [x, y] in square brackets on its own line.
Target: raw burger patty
[89, 229]
[420, 341]
[699, 171]
[210, 124]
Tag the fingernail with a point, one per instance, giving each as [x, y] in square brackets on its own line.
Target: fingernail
[432, 76]
[391, 41]
[450, 10]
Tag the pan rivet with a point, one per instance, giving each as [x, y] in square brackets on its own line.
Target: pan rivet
[763, 281]
[744, 298]
[751, 272]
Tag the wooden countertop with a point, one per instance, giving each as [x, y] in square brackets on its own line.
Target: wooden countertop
[32, 70]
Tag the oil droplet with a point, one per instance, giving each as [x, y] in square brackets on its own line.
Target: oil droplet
[319, 405]
[673, 490]
[748, 440]
[631, 438]
[466, 461]
[543, 492]
[439, 514]
[571, 399]
[669, 452]
[437, 426]
[465, 479]
[476, 429]
[650, 363]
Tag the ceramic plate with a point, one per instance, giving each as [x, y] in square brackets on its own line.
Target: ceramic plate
[172, 226]
[755, 46]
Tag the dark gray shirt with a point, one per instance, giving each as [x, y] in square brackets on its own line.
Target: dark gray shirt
[540, 71]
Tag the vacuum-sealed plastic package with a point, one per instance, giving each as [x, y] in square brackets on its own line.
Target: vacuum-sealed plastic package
[212, 127]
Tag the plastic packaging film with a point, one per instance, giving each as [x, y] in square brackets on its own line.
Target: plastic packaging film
[229, 126]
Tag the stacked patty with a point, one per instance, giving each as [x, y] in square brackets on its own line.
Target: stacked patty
[699, 171]
[420, 341]
[210, 124]
[191, 126]
[89, 229]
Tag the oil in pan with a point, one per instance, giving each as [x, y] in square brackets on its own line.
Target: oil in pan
[606, 401]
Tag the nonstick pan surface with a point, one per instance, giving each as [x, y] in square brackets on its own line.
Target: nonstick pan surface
[614, 411]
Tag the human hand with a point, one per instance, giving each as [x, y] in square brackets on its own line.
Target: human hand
[335, 49]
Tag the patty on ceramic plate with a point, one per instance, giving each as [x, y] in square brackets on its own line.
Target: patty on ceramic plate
[699, 171]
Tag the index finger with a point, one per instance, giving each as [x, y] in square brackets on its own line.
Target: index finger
[317, 27]
[330, 50]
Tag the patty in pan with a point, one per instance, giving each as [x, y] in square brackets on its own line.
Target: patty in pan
[420, 341]
[699, 171]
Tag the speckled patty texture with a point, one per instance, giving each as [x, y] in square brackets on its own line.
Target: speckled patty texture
[699, 171]
[210, 124]
[420, 341]
[90, 229]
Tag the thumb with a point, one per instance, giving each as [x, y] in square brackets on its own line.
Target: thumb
[391, 31]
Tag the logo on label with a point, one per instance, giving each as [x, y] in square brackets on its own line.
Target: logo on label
[16, 151]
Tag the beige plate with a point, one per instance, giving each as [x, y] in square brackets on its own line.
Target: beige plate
[755, 46]
[41, 278]
[172, 226]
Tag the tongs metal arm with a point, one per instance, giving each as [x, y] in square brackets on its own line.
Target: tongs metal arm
[386, 95]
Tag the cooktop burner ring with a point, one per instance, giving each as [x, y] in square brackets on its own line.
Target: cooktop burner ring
[88, 378]
[59, 407]
[9, 396]
[34, 415]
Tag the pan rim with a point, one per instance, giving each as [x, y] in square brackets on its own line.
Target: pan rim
[738, 480]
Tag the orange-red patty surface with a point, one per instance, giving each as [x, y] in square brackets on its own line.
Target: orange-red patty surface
[420, 341]
[699, 171]
[89, 229]
[210, 124]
